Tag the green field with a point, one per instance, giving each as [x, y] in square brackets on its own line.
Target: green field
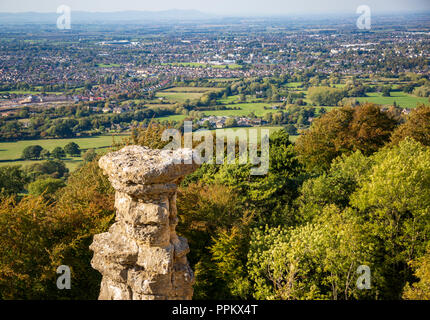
[111, 65]
[192, 89]
[402, 99]
[245, 109]
[229, 99]
[293, 84]
[10, 152]
[181, 94]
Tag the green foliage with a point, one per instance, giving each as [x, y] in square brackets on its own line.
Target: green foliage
[325, 96]
[423, 91]
[420, 290]
[72, 149]
[395, 201]
[38, 236]
[205, 212]
[313, 261]
[334, 187]
[46, 186]
[58, 153]
[344, 130]
[12, 180]
[32, 152]
[370, 211]
[50, 168]
[89, 155]
[416, 127]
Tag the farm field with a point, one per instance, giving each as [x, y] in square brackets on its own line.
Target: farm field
[10, 152]
[229, 99]
[245, 109]
[181, 94]
[402, 99]
[112, 65]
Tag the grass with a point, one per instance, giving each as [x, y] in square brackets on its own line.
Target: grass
[192, 89]
[10, 152]
[182, 94]
[111, 65]
[179, 96]
[402, 99]
[229, 99]
[244, 109]
[223, 79]
[293, 84]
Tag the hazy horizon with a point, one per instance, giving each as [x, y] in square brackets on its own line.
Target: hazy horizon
[222, 7]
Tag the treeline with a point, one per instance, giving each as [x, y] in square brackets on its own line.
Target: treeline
[71, 121]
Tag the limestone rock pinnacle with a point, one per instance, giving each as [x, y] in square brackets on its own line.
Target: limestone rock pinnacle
[141, 257]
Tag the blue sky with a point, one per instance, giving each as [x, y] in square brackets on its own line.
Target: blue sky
[244, 7]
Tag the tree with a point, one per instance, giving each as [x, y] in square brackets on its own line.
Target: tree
[58, 153]
[312, 261]
[89, 155]
[386, 91]
[38, 236]
[32, 152]
[365, 128]
[49, 168]
[417, 127]
[46, 186]
[206, 213]
[72, 149]
[419, 290]
[231, 122]
[45, 154]
[394, 203]
[12, 180]
[325, 96]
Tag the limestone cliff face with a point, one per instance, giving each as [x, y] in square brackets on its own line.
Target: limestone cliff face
[141, 257]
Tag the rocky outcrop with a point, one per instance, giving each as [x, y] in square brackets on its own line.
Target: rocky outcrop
[141, 257]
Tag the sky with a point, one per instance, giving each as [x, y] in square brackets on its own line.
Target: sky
[222, 7]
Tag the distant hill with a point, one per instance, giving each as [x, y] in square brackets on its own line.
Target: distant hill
[106, 17]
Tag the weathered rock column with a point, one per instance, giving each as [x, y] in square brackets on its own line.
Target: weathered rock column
[141, 257]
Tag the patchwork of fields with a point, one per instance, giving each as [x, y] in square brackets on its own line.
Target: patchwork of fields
[10, 152]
